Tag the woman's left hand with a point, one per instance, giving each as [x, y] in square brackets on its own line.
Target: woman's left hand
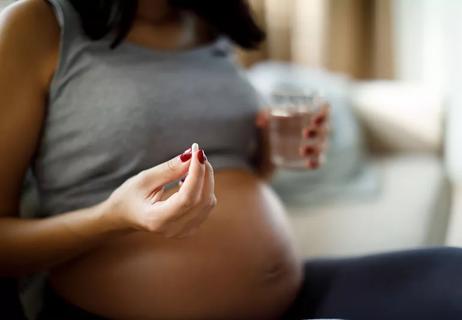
[316, 132]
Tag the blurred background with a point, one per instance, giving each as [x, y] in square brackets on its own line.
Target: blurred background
[391, 70]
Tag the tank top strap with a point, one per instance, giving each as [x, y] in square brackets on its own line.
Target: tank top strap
[72, 37]
[68, 18]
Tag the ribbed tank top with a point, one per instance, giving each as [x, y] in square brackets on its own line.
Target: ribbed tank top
[112, 113]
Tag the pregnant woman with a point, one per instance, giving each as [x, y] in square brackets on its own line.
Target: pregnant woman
[104, 99]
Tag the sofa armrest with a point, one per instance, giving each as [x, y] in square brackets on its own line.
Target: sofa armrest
[400, 117]
[453, 150]
[454, 230]
[453, 159]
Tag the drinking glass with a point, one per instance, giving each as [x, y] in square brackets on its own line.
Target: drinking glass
[289, 113]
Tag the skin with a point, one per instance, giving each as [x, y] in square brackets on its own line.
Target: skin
[185, 229]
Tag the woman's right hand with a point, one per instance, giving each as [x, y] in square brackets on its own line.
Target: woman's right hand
[137, 203]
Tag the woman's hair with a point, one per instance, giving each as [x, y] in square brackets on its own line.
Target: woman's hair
[231, 18]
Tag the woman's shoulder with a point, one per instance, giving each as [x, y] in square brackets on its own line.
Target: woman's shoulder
[33, 19]
[29, 32]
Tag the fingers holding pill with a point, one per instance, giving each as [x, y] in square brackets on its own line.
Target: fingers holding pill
[187, 209]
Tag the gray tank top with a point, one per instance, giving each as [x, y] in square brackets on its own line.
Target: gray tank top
[113, 113]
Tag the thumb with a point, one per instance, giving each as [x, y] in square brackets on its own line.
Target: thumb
[166, 172]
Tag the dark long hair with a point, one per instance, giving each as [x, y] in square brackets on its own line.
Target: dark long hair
[231, 18]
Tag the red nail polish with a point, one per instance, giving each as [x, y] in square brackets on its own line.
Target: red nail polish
[201, 156]
[185, 156]
[312, 134]
[314, 164]
[309, 151]
[320, 120]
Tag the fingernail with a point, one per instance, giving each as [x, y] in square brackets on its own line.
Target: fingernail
[312, 134]
[185, 156]
[195, 147]
[201, 156]
[320, 120]
[308, 151]
[188, 150]
[313, 164]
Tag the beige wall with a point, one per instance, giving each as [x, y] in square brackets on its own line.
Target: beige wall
[348, 36]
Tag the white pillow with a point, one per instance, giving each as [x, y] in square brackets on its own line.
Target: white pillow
[401, 116]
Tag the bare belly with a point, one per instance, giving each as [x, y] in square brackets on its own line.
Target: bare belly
[241, 264]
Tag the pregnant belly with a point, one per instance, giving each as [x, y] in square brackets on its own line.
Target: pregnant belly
[240, 265]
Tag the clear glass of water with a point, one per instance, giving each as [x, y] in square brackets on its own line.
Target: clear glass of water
[289, 113]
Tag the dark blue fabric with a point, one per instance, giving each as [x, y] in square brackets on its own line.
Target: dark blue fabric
[10, 306]
[411, 285]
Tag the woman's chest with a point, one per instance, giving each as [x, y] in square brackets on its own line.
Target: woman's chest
[139, 106]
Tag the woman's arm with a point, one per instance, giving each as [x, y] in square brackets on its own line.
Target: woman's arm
[28, 245]
[29, 40]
